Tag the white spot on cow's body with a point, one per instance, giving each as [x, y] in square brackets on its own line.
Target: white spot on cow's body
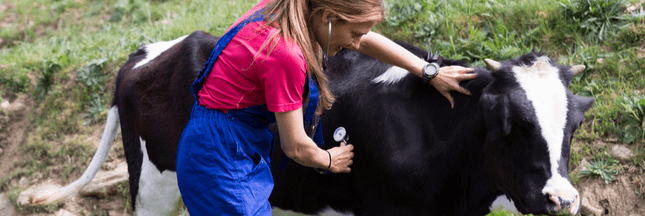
[547, 94]
[156, 49]
[331, 212]
[503, 202]
[391, 76]
[328, 211]
[158, 191]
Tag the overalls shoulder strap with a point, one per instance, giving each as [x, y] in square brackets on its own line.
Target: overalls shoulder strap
[309, 117]
[221, 44]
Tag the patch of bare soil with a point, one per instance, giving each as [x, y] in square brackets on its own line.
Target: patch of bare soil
[622, 197]
[14, 122]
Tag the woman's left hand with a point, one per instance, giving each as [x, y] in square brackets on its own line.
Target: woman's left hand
[448, 80]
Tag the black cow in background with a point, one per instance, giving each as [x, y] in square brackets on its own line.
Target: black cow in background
[414, 155]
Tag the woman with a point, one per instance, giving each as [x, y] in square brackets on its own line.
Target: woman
[255, 76]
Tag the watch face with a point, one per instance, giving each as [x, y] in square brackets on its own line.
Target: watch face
[430, 70]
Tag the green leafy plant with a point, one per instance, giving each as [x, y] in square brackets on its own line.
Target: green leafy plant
[633, 125]
[605, 168]
[45, 81]
[632, 35]
[96, 108]
[599, 20]
[400, 12]
[496, 42]
[16, 81]
[138, 10]
[429, 29]
[92, 74]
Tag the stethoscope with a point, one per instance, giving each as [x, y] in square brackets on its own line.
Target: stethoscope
[340, 135]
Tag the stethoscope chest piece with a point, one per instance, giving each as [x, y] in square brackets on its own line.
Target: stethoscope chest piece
[340, 134]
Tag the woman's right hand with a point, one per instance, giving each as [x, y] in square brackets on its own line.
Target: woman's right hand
[341, 158]
[448, 79]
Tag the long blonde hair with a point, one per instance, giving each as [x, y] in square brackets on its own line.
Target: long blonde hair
[294, 19]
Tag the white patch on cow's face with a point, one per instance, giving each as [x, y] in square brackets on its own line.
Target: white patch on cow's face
[503, 202]
[547, 94]
[158, 191]
[391, 76]
[156, 49]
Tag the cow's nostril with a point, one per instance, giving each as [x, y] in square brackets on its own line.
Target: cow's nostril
[559, 202]
[566, 203]
[556, 201]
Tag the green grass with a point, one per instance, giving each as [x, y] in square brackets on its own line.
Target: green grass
[65, 55]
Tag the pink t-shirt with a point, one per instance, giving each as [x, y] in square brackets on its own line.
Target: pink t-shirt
[276, 79]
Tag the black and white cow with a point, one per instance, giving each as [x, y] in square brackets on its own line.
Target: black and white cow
[506, 145]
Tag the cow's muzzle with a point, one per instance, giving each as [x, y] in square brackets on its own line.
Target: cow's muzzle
[569, 203]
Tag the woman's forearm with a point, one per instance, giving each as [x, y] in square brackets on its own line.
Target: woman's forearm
[387, 51]
[296, 144]
[307, 154]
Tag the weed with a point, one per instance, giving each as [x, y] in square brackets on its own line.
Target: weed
[501, 212]
[633, 121]
[60, 6]
[599, 20]
[402, 11]
[16, 81]
[45, 81]
[429, 29]
[638, 14]
[139, 11]
[605, 168]
[639, 157]
[92, 75]
[123, 189]
[95, 110]
[633, 35]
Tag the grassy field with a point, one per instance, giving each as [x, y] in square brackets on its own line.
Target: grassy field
[64, 55]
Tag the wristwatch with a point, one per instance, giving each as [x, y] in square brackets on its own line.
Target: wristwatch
[430, 71]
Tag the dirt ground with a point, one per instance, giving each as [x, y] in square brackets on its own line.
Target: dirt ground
[13, 134]
[622, 197]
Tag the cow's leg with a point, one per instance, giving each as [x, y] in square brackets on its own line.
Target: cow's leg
[158, 191]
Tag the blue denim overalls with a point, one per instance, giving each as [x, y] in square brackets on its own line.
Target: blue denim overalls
[223, 160]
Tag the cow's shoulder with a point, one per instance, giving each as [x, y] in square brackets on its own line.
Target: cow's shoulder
[355, 74]
[160, 60]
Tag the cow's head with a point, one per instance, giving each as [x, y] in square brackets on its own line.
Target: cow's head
[531, 117]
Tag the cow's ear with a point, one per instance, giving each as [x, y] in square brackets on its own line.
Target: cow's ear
[497, 114]
[582, 103]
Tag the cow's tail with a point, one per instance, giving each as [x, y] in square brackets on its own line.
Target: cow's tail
[109, 134]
